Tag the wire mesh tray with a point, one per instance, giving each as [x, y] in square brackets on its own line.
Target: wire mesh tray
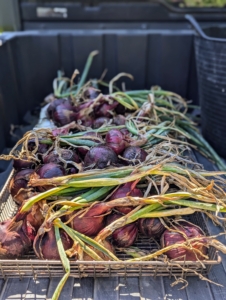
[29, 265]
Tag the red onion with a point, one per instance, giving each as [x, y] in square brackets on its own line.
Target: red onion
[92, 222]
[35, 217]
[90, 93]
[119, 120]
[152, 227]
[128, 189]
[66, 154]
[126, 135]
[42, 148]
[107, 245]
[114, 140]
[134, 155]
[105, 110]
[50, 170]
[191, 231]
[100, 157]
[63, 115]
[100, 121]
[94, 137]
[72, 170]
[87, 121]
[53, 105]
[124, 236]
[14, 238]
[45, 245]
[19, 183]
[20, 164]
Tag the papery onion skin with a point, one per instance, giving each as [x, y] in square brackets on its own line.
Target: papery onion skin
[65, 154]
[100, 121]
[134, 155]
[35, 216]
[107, 245]
[96, 138]
[50, 170]
[106, 110]
[119, 120]
[42, 148]
[20, 164]
[14, 239]
[124, 190]
[114, 140]
[100, 157]
[124, 236]
[63, 115]
[53, 105]
[18, 182]
[45, 245]
[91, 93]
[92, 222]
[180, 253]
[151, 227]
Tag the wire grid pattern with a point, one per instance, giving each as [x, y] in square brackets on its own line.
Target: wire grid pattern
[29, 265]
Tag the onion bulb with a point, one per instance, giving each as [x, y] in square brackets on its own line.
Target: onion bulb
[100, 157]
[134, 155]
[45, 245]
[151, 227]
[176, 237]
[124, 236]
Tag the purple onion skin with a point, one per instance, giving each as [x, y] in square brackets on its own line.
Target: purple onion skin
[51, 170]
[100, 121]
[100, 157]
[42, 148]
[20, 181]
[119, 120]
[91, 93]
[53, 105]
[63, 115]
[134, 155]
[124, 236]
[107, 245]
[92, 222]
[123, 191]
[14, 239]
[35, 217]
[87, 121]
[19, 164]
[72, 170]
[66, 154]
[152, 227]
[82, 151]
[45, 245]
[191, 231]
[105, 110]
[114, 140]
[125, 132]
[89, 226]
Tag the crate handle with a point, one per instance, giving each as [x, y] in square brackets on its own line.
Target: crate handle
[196, 26]
[200, 32]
